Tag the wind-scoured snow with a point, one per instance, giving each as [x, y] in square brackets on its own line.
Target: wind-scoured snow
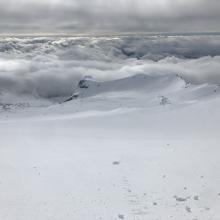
[110, 128]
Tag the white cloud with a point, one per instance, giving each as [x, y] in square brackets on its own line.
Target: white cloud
[49, 67]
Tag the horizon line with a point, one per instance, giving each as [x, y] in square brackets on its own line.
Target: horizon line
[108, 34]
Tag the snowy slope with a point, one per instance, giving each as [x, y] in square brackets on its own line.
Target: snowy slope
[135, 148]
[110, 128]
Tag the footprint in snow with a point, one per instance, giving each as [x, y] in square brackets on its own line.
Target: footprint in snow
[196, 198]
[188, 209]
[120, 216]
[116, 162]
[180, 199]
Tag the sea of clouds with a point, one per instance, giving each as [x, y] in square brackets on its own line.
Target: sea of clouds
[48, 67]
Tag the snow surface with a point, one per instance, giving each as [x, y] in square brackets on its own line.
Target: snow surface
[138, 147]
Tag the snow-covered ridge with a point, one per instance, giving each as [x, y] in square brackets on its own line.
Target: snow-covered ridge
[134, 91]
[143, 85]
[91, 87]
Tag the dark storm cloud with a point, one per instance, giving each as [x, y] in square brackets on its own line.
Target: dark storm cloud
[73, 16]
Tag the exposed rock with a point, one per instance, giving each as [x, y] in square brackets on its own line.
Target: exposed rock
[83, 84]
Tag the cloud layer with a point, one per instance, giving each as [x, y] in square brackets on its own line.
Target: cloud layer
[98, 16]
[51, 67]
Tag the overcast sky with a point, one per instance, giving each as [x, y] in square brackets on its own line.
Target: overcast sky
[108, 16]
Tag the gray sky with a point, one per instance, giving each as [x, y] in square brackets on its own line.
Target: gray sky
[108, 16]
